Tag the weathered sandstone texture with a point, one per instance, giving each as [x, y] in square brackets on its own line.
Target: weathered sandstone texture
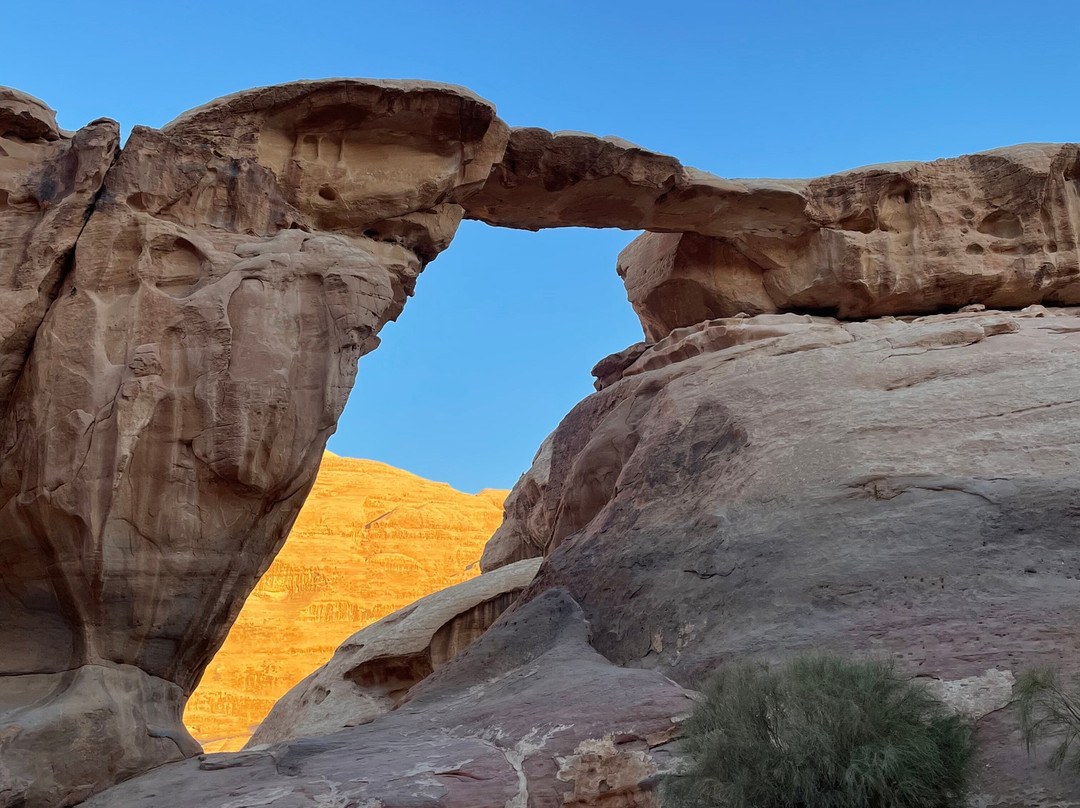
[373, 671]
[48, 182]
[999, 228]
[574, 179]
[370, 540]
[753, 487]
[197, 351]
[528, 715]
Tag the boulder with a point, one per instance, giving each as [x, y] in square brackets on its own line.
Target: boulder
[898, 487]
[372, 671]
[27, 119]
[529, 714]
[199, 346]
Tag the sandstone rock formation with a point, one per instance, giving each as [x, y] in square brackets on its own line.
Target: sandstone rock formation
[528, 715]
[370, 540]
[755, 478]
[755, 486]
[999, 228]
[374, 670]
[197, 350]
[48, 182]
[574, 179]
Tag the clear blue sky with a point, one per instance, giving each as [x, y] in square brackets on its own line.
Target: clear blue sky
[498, 343]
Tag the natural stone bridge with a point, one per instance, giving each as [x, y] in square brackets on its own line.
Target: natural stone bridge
[180, 322]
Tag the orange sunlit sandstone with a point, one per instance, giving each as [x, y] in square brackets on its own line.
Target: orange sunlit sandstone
[371, 539]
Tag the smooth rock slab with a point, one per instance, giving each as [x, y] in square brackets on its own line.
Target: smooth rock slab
[763, 486]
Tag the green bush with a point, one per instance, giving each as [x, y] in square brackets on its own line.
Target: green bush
[821, 733]
[1050, 710]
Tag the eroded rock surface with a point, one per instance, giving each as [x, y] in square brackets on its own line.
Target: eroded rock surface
[574, 179]
[170, 418]
[373, 671]
[48, 182]
[1000, 228]
[760, 486]
[529, 714]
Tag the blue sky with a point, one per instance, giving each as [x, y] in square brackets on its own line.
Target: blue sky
[498, 343]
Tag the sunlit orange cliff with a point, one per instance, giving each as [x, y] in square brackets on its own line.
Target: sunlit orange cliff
[370, 539]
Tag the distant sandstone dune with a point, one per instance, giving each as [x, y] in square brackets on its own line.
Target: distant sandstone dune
[370, 539]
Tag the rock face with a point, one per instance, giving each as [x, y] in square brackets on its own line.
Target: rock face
[48, 182]
[999, 228]
[373, 671]
[370, 540]
[170, 418]
[528, 715]
[900, 487]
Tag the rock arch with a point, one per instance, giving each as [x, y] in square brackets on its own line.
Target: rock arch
[180, 323]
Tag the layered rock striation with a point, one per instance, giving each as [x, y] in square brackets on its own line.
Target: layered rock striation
[373, 671]
[370, 540]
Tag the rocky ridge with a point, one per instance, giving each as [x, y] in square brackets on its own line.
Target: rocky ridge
[370, 540]
[761, 475]
[488, 729]
[900, 487]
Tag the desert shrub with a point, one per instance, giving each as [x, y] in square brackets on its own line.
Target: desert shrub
[1049, 709]
[821, 732]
